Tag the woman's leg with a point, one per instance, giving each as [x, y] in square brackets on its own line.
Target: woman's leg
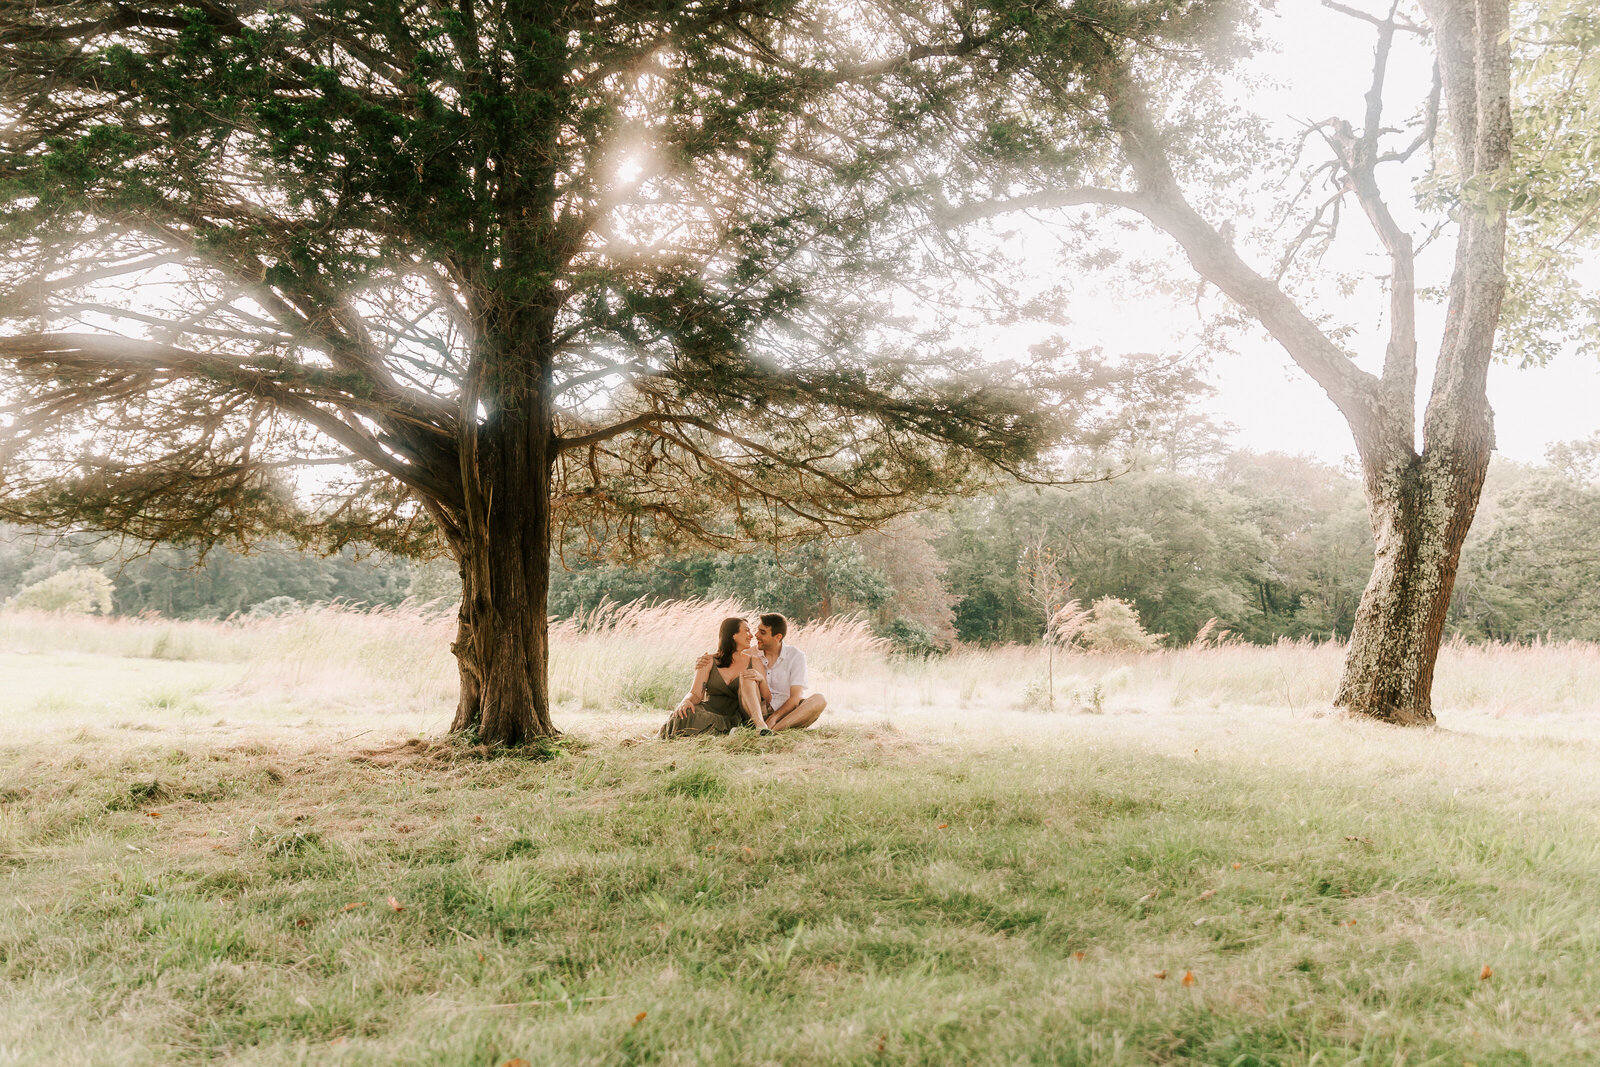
[750, 700]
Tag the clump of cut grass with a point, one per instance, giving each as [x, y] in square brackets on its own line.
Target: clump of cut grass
[696, 783]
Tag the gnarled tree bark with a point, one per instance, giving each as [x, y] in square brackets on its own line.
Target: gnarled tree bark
[502, 632]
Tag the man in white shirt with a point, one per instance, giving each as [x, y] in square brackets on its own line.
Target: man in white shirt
[782, 688]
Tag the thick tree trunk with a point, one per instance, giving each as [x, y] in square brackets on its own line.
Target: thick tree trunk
[502, 642]
[501, 539]
[1421, 509]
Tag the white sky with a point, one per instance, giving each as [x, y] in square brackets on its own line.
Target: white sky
[1324, 67]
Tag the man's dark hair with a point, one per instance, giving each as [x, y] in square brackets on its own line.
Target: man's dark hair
[776, 623]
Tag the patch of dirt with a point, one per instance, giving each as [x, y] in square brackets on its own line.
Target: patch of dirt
[445, 752]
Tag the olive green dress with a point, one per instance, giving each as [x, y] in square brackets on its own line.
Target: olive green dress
[718, 713]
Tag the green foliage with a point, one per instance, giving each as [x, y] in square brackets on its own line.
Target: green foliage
[77, 591]
[912, 639]
[1553, 189]
[1114, 627]
[1269, 545]
[275, 605]
[1530, 568]
[815, 580]
[179, 583]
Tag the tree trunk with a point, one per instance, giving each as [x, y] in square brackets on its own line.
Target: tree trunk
[1421, 508]
[502, 636]
[502, 545]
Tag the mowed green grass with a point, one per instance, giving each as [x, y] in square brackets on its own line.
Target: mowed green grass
[946, 887]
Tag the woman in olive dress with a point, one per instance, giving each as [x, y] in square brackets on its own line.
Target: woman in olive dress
[724, 693]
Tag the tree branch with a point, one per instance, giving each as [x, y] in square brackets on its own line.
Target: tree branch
[101, 353]
[1161, 200]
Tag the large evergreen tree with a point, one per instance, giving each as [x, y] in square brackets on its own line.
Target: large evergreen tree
[494, 270]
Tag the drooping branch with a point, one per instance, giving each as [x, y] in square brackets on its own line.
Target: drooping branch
[95, 358]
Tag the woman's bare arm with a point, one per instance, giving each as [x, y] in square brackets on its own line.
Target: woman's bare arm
[702, 671]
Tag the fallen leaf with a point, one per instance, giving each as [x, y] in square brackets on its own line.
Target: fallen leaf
[518, 1062]
[1208, 894]
[942, 826]
[1350, 922]
[153, 814]
[750, 850]
[396, 905]
[1236, 866]
[302, 923]
[1078, 956]
[477, 818]
[1485, 974]
[353, 905]
[480, 957]
[1188, 978]
[637, 1019]
[1161, 974]
[882, 1038]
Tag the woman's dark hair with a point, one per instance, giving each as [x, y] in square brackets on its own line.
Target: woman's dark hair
[727, 637]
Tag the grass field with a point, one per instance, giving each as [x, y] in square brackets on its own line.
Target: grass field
[202, 828]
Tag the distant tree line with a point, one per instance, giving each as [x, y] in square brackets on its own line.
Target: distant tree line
[180, 583]
[1270, 546]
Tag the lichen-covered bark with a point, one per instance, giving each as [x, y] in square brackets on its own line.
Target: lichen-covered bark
[1421, 509]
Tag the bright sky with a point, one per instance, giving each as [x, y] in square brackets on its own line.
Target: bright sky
[1324, 67]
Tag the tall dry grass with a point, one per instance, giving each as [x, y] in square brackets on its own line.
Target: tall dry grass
[616, 655]
[640, 655]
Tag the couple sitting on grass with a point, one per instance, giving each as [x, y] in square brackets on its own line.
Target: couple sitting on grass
[759, 680]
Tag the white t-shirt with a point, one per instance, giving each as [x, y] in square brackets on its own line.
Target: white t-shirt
[788, 671]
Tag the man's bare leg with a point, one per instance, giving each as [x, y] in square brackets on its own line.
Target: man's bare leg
[801, 715]
[750, 700]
